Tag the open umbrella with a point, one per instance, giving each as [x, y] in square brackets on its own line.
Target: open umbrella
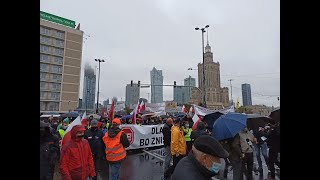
[275, 115]
[164, 116]
[126, 117]
[70, 115]
[211, 118]
[148, 115]
[95, 116]
[254, 121]
[228, 125]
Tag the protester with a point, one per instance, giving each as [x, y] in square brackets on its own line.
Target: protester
[261, 146]
[203, 162]
[166, 131]
[94, 136]
[187, 132]
[274, 148]
[115, 141]
[200, 131]
[178, 146]
[49, 152]
[233, 147]
[246, 142]
[63, 129]
[76, 162]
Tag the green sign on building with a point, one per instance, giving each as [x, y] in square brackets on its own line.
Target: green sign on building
[57, 19]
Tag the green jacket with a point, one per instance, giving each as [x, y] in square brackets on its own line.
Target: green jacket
[61, 132]
[187, 133]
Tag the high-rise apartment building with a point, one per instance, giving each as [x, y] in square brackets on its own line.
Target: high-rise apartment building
[60, 63]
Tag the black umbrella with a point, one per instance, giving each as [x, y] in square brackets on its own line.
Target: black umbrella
[275, 115]
[164, 116]
[254, 121]
[70, 115]
[211, 118]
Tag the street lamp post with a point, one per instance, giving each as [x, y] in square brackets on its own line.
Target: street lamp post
[203, 78]
[231, 90]
[98, 60]
[69, 106]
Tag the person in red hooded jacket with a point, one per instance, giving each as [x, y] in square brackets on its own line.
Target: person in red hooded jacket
[76, 162]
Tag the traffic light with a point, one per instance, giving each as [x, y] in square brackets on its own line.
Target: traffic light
[131, 83]
[138, 83]
[174, 84]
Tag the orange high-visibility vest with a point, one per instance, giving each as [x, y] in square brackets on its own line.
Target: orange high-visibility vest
[114, 149]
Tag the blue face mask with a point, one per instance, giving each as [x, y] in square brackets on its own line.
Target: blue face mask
[216, 167]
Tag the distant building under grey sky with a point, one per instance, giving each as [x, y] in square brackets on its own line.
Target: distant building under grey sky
[246, 95]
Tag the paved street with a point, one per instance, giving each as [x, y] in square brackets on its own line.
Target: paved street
[148, 165]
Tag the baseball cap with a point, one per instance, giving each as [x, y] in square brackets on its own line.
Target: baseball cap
[116, 121]
[209, 145]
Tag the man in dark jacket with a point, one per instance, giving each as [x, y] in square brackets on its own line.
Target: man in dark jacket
[49, 151]
[261, 146]
[200, 131]
[94, 137]
[203, 162]
[115, 141]
[235, 156]
[166, 131]
[274, 149]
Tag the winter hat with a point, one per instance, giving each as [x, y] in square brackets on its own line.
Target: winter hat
[209, 145]
[94, 122]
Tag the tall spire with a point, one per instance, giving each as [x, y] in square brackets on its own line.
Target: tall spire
[207, 48]
[207, 37]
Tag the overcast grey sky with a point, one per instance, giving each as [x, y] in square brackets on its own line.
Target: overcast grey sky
[133, 36]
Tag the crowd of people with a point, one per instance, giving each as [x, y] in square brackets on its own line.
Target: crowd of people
[194, 152]
[180, 144]
[78, 158]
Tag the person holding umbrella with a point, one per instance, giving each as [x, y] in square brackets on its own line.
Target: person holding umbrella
[226, 128]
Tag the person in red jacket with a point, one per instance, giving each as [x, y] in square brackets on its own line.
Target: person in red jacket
[76, 162]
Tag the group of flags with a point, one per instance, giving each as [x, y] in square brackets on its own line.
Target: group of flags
[195, 112]
[139, 108]
[78, 121]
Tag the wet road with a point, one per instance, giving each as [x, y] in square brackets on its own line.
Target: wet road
[148, 165]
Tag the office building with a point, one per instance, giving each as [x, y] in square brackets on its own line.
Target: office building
[89, 88]
[132, 94]
[60, 63]
[246, 95]
[156, 91]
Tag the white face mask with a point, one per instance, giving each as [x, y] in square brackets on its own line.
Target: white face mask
[186, 125]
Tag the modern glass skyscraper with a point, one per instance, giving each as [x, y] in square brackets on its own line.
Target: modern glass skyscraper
[89, 88]
[156, 91]
[246, 95]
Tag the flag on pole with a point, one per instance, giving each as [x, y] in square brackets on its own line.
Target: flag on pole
[191, 110]
[84, 120]
[67, 134]
[196, 119]
[102, 111]
[135, 112]
[110, 114]
[142, 107]
[183, 109]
